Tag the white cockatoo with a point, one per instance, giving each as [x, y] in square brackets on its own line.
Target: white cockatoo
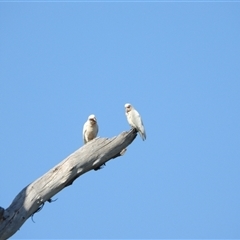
[90, 129]
[134, 119]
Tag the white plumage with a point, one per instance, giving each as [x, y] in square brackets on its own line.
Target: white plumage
[90, 129]
[134, 119]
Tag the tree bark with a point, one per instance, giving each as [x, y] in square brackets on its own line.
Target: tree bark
[89, 157]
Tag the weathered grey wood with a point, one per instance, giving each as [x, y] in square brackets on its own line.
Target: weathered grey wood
[32, 197]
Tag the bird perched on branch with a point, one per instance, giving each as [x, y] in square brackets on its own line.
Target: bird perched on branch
[134, 119]
[90, 129]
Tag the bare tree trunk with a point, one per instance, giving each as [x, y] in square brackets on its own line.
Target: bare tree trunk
[32, 197]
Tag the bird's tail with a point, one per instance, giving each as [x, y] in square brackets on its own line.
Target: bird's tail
[142, 135]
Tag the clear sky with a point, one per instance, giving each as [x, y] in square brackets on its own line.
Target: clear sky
[177, 63]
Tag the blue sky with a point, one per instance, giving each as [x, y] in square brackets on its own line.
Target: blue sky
[176, 62]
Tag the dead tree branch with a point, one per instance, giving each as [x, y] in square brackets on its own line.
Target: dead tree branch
[89, 157]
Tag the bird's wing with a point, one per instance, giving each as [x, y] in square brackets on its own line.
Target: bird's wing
[137, 121]
[96, 129]
[84, 131]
